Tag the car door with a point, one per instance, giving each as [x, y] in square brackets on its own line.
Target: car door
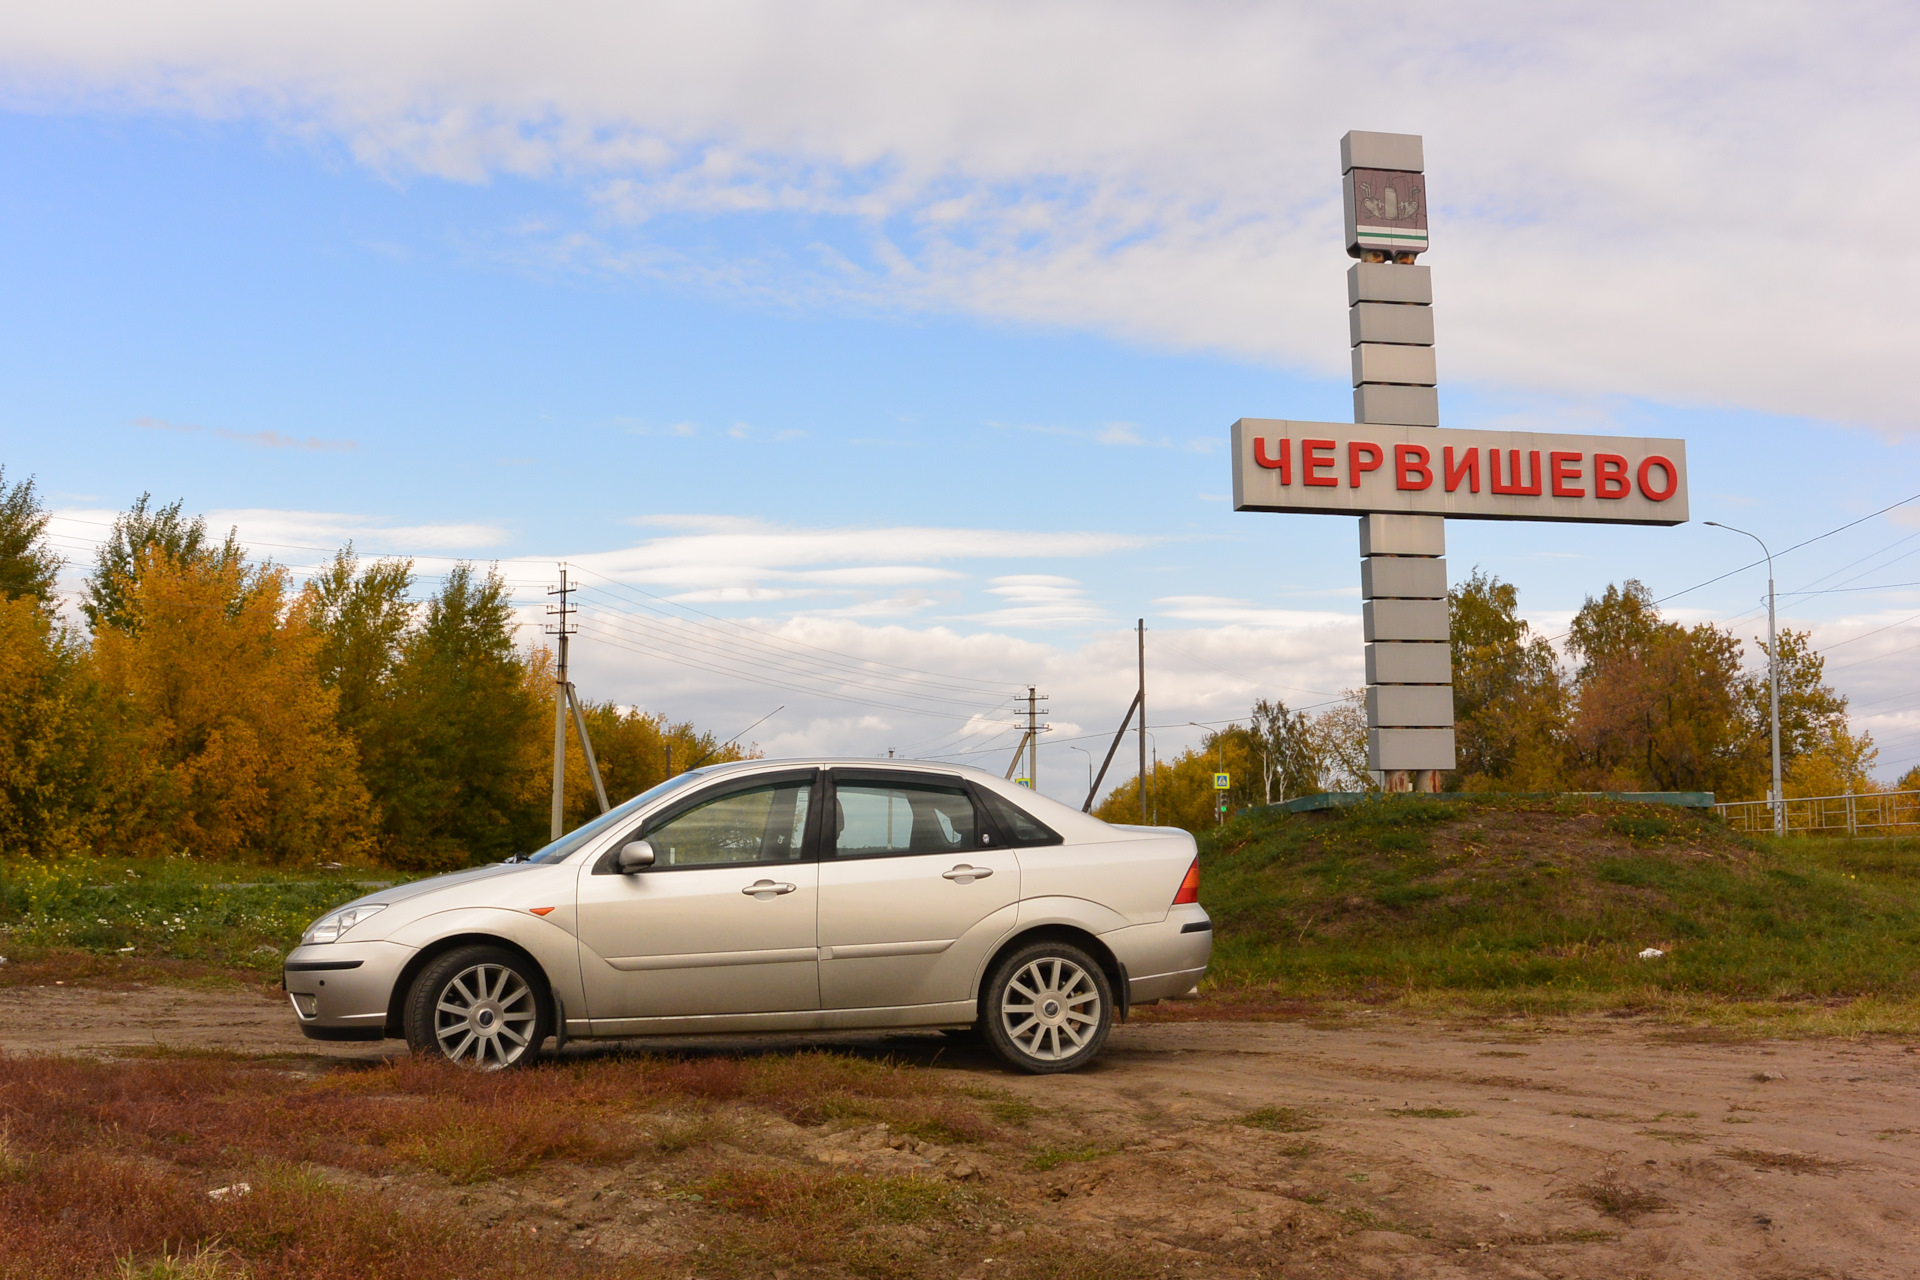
[914, 889]
[723, 921]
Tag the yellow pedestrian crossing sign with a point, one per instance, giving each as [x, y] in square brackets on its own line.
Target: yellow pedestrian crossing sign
[1221, 781]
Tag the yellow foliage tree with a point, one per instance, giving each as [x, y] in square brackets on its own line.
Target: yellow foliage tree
[1838, 762]
[47, 742]
[221, 740]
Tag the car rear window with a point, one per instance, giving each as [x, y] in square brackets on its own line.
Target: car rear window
[1022, 829]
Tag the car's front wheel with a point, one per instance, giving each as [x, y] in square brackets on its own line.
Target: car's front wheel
[1049, 1008]
[478, 1006]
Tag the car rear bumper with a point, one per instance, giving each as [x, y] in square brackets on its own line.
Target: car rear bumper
[341, 990]
[1167, 958]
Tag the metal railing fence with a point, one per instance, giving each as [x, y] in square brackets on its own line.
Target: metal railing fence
[1872, 812]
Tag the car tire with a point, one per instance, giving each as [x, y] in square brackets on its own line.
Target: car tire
[1047, 1007]
[481, 1007]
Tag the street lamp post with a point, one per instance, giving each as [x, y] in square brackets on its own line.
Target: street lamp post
[1777, 795]
[1089, 755]
[1155, 775]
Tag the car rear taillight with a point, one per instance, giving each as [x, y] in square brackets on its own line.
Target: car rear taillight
[1190, 887]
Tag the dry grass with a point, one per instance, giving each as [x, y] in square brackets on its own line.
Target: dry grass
[403, 1169]
[95, 1215]
[1280, 1119]
[1788, 1161]
[1618, 1199]
[69, 967]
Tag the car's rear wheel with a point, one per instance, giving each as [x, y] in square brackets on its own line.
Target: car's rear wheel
[483, 1007]
[1049, 1008]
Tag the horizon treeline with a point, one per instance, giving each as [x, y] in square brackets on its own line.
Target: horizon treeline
[209, 707]
[1647, 704]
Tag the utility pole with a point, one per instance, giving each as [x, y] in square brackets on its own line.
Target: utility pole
[1140, 632]
[1033, 741]
[1777, 796]
[563, 629]
[1029, 744]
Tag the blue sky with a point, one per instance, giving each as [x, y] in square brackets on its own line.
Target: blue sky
[936, 369]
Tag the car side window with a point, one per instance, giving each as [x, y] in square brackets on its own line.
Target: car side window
[767, 823]
[1022, 829]
[880, 819]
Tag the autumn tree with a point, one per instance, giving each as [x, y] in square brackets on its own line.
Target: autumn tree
[1623, 620]
[363, 617]
[1820, 755]
[1660, 706]
[1508, 693]
[219, 737]
[453, 762]
[172, 539]
[48, 747]
[28, 565]
[1289, 756]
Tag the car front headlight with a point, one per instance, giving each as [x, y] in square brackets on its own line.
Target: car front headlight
[328, 928]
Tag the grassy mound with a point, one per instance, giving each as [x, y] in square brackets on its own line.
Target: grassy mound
[1550, 902]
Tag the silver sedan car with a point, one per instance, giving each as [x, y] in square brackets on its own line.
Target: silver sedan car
[777, 896]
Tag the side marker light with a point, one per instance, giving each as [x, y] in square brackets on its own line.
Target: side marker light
[539, 911]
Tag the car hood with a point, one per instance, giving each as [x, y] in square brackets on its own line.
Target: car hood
[434, 884]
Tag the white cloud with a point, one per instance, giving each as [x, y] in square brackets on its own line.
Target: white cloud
[1646, 199]
[1227, 609]
[1040, 600]
[727, 551]
[273, 533]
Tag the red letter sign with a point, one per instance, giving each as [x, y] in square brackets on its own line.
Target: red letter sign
[1673, 478]
[1562, 474]
[1315, 456]
[1469, 469]
[1610, 476]
[1356, 450]
[1411, 469]
[1513, 484]
[1283, 464]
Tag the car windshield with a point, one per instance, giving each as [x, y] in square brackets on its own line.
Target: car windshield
[575, 839]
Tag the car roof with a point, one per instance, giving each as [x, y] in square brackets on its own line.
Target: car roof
[1063, 818]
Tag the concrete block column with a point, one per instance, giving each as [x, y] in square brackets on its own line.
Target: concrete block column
[1403, 567]
[1403, 589]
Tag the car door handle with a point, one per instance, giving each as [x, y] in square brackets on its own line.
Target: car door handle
[766, 890]
[964, 874]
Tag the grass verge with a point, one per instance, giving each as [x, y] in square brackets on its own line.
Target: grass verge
[94, 920]
[1543, 907]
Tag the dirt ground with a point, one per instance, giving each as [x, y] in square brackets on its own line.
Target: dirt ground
[1370, 1146]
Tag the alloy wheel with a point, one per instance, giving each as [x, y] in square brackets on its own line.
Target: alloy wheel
[485, 1015]
[1050, 1009]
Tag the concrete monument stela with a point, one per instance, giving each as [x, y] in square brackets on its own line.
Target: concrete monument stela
[1404, 474]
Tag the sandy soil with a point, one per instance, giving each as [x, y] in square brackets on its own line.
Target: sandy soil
[1566, 1148]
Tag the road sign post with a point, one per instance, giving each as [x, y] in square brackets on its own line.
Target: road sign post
[1404, 475]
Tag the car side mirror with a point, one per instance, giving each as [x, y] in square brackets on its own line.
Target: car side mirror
[636, 856]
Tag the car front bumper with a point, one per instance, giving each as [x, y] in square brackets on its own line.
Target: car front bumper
[1164, 959]
[341, 990]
